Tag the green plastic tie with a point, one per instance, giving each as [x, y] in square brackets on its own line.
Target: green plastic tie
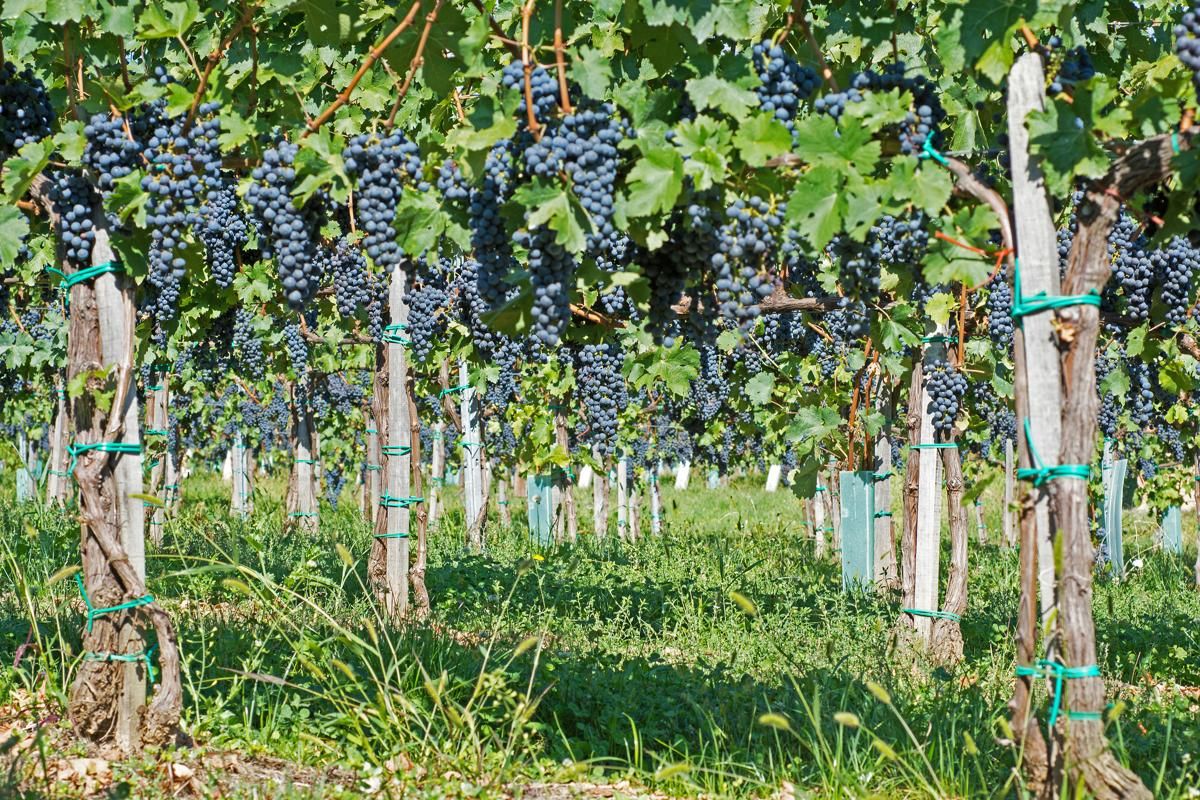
[934, 446]
[437, 436]
[881, 476]
[396, 535]
[82, 275]
[372, 430]
[387, 501]
[62, 474]
[156, 432]
[821, 489]
[502, 502]
[93, 612]
[438, 481]
[929, 151]
[390, 335]
[396, 450]
[1023, 307]
[128, 658]
[302, 514]
[1052, 669]
[939, 340]
[463, 443]
[828, 528]
[460, 388]
[155, 388]
[171, 486]
[920, 612]
[306, 461]
[373, 467]
[1040, 473]
[1175, 142]
[76, 450]
[882, 514]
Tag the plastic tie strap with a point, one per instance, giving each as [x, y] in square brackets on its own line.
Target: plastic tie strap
[396, 450]
[502, 502]
[460, 388]
[62, 474]
[127, 658]
[373, 467]
[934, 446]
[821, 489]
[929, 151]
[1052, 669]
[388, 501]
[437, 481]
[93, 612]
[82, 275]
[879, 514]
[155, 432]
[302, 514]
[305, 461]
[939, 340]
[391, 335]
[881, 476]
[396, 535]
[76, 450]
[470, 444]
[372, 430]
[1023, 307]
[920, 612]
[155, 388]
[1175, 142]
[1040, 473]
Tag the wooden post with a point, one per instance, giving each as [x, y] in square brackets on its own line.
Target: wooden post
[635, 506]
[564, 482]
[835, 505]
[240, 493]
[1010, 532]
[472, 462]
[885, 549]
[302, 495]
[818, 518]
[774, 473]
[58, 484]
[622, 497]
[416, 573]
[373, 477]
[502, 501]
[397, 455]
[655, 505]
[437, 478]
[1196, 494]
[683, 474]
[600, 490]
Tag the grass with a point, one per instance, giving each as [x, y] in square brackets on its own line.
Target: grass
[720, 659]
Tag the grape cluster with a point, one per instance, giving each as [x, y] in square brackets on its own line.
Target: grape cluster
[602, 389]
[1174, 266]
[74, 201]
[1187, 41]
[110, 152]
[348, 268]
[179, 162]
[25, 111]
[452, 184]
[1142, 389]
[551, 275]
[542, 88]
[1076, 66]
[223, 231]
[710, 389]
[381, 167]
[471, 306]
[783, 82]
[335, 479]
[946, 387]
[999, 308]
[489, 237]
[297, 350]
[922, 121]
[746, 246]
[427, 306]
[247, 344]
[1133, 269]
[286, 233]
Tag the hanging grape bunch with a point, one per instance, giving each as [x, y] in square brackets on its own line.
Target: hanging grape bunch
[74, 201]
[286, 233]
[784, 83]
[747, 245]
[381, 167]
[25, 111]
[946, 387]
[1187, 42]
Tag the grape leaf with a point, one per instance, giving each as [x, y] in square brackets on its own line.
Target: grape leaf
[712, 91]
[13, 230]
[816, 205]
[654, 182]
[761, 138]
[760, 387]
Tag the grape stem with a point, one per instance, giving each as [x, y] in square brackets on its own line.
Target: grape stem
[512, 45]
[558, 58]
[417, 60]
[373, 56]
[527, 64]
[798, 16]
[214, 58]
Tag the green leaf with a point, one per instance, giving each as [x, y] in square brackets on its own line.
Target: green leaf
[15, 8]
[940, 307]
[13, 230]
[21, 169]
[550, 204]
[70, 141]
[761, 138]
[592, 70]
[1068, 148]
[729, 339]
[817, 205]
[712, 91]
[759, 388]
[655, 182]
[168, 21]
